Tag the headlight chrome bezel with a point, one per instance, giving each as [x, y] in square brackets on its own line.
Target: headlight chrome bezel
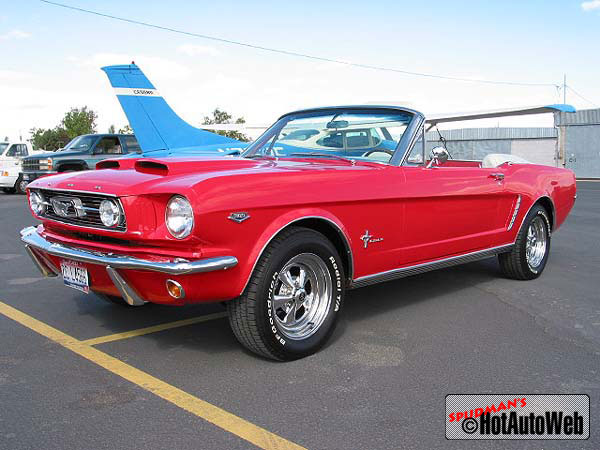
[186, 214]
[40, 203]
[110, 211]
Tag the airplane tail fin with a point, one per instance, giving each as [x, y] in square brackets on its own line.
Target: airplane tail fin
[154, 123]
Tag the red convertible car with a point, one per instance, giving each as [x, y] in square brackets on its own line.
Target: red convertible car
[326, 200]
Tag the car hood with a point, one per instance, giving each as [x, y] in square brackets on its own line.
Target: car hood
[63, 153]
[123, 177]
[188, 152]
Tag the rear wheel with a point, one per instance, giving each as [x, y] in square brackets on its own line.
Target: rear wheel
[528, 257]
[291, 304]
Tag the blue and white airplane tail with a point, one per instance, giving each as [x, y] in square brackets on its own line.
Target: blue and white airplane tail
[154, 123]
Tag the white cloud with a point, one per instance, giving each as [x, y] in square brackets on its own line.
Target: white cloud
[14, 75]
[153, 66]
[197, 50]
[591, 5]
[14, 35]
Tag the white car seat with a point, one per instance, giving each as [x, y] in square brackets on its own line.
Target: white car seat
[497, 159]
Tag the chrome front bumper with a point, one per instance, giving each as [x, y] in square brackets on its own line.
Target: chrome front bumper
[113, 262]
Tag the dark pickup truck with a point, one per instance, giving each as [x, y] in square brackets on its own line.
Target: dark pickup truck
[82, 153]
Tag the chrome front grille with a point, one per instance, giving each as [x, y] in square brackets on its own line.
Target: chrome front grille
[31, 165]
[79, 208]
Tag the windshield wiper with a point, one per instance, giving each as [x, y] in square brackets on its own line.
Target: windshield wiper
[324, 155]
[259, 155]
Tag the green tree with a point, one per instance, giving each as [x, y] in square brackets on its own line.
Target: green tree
[126, 130]
[111, 129]
[50, 139]
[223, 117]
[79, 121]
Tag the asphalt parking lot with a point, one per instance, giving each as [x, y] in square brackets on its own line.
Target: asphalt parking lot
[381, 383]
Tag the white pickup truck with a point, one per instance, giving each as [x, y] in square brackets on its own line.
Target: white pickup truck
[11, 154]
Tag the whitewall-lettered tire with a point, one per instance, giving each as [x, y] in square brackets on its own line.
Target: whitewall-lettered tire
[291, 304]
[528, 257]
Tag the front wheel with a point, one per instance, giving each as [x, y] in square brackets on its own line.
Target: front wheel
[21, 185]
[291, 304]
[529, 255]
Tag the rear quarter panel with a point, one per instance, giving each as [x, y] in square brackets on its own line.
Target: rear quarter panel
[534, 182]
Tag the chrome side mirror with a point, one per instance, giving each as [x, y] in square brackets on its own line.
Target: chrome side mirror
[439, 155]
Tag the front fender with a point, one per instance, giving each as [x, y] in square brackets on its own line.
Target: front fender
[277, 225]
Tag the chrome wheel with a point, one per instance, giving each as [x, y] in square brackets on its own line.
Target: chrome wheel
[302, 296]
[537, 238]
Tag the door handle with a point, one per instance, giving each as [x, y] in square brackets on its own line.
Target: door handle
[497, 176]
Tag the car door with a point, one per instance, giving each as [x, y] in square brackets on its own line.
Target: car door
[4, 159]
[450, 210]
[12, 163]
[130, 144]
[106, 147]
[21, 153]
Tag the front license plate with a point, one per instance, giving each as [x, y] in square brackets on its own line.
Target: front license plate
[75, 276]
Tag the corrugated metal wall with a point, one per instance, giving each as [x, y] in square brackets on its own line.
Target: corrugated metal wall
[580, 141]
[582, 117]
[471, 134]
[537, 145]
[538, 151]
[574, 144]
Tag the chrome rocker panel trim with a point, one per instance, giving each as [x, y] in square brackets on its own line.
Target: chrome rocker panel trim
[428, 266]
[31, 238]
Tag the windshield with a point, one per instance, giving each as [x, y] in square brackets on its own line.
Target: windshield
[3, 147]
[355, 134]
[81, 143]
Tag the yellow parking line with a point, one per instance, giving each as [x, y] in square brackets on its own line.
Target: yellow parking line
[207, 411]
[153, 329]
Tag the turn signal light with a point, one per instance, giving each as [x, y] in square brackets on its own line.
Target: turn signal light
[175, 290]
[46, 164]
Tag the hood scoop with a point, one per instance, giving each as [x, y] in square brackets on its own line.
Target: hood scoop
[151, 167]
[108, 164]
[148, 166]
[118, 164]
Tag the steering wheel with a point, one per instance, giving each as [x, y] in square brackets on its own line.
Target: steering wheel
[370, 152]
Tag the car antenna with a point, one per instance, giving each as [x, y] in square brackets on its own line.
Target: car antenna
[443, 140]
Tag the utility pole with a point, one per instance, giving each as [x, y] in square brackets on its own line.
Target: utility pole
[565, 89]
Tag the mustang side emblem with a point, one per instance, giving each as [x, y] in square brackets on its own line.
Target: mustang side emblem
[368, 239]
[62, 207]
[239, 217]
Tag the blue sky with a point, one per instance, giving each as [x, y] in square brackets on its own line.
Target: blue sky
[51, 56]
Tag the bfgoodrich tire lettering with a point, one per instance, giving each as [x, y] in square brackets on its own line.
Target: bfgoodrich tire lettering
[529, 255]
[283, 314]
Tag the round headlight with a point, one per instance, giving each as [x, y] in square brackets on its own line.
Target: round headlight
[36, 202]
[110, 214]
[179, 217]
